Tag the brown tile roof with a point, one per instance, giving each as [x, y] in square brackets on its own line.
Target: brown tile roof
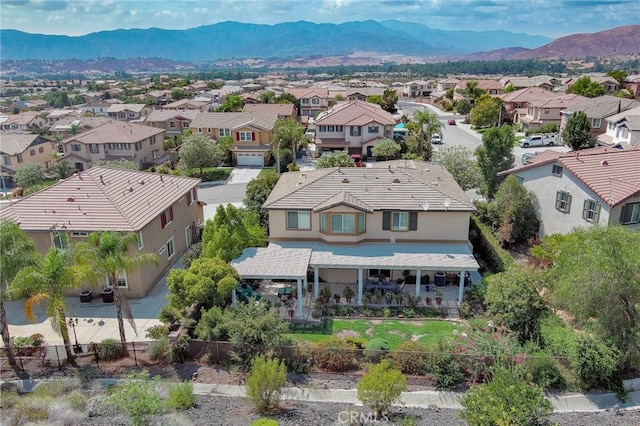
[283, 110]
[558, 101]
[355, 113]
[115, 132]
[603, 106]
[399, 185]
[308, 92]
[165, 114]
[99, 199]
[181, 102]
[232, 120]
[16, 143]
[126, 107]
[528, 95]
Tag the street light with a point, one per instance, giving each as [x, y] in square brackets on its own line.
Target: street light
[278, 156]
[77, 348]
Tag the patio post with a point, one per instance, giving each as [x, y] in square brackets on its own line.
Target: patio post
[299, 297]
[316, 283]
[233, 297]
[360, 284]
[418, 272]
[461, 287]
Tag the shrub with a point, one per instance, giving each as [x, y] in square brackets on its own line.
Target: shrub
[157, 332]
[214, 175]
[506, 400]
[265, 382]
[77, 400]
[51, 389]
[180, 349]
[594, 362]
[110, 350]
[170, 315]
[336, 355]
[447, 372]
[375, 349]
[545, 373]
[264, 422]
[410, 357]
[137, 397]
[381, 386]
[193, 253]
[490, 250]
[181, 396]
[160, 350]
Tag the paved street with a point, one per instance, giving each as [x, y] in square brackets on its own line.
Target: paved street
[232, 192]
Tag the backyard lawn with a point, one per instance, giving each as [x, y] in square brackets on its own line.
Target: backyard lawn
[393, 331]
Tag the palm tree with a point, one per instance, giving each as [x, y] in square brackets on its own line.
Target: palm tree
[424, 123]
[16, 252]
[63, 169]
[49, 279]
[105, 254]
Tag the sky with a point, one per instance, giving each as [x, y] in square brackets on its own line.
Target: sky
[551, 18]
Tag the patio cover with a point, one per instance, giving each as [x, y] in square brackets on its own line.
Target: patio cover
[273, 263]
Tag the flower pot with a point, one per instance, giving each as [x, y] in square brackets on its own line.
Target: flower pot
[438, 301]
[348, 300]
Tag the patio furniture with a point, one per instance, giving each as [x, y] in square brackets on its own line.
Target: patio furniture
[373, 285]
[440, 279]
[285, 293]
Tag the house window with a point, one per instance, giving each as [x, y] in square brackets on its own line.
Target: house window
[361, 222]
[343, 223]
[245, 136]
[378, 272]
[121, 280]
[166, 217]
[7, 161]
[79, 234]
[304, 101]
[191, 196]
[595, 123]
[400, 221]
[172, 124]
[75, 147]
[339, 129]
[170, 248]
[138, 146]
[315, 101]
[41, 150]
[59, 240]
[224, 132]
[19, 157]
[556, 170]
[331, 128]
[140, 240]
[591, 211]
[563, 201]
[299, 220]
[94, 148]
[630, 214]
[520, 180]
[546, 111]
[32, 152]
[355, 130]
[373, 129]
[322, 128]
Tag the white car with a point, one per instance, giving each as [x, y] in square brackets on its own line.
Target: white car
[436, 139]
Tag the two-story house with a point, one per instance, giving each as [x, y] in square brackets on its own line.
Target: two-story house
[163, 210]
[58, 114]
[516, 103]
[355, 126]
[24, 122]
[251, 133]
[283, 110]
[128, 112]
[597, 186]
[548, 111]
[173, 122]
[18, 149]
[112, 141]
[632, 84]
[188, 104]
[313, 101]
[623, 130]
[418, 88]
[598, 109]
[350, 225]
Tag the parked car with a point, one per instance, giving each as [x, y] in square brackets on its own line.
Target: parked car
[436, 139]
[357, 159]
[539, 140]
[451, 122]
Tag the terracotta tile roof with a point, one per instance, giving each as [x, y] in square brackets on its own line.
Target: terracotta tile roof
[558, 101]
[99, 199]
[182, 102]
[231, 120]
[399, 185]
[528, 95]
[283, 110]
[163, 114]
[115, 132]
[307, 92]
[355, 113]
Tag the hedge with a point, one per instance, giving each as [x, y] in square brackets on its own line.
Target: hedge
[489, 249]
[211, 174]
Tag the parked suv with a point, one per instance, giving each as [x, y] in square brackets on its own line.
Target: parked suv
[436, 139]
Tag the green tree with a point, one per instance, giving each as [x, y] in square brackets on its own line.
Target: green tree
[390, 98]
[472, 92]
[576, 133]
[386, 149]
[177, 94]
[335, 159]
[63, 170]
[485, 111]
[289, 132]
[463, 107]
[513, 213]
[510, 88]
[232, 103]
[257, 192]
[49, 279]
[267, 97]
[494, 156]
[449, 93]
[265, 383]
[230, 232]
[586, 87]
[513, 298]
[29, 175]
[619, 75]
[198, 151]
[596, 277]
[423, 125]
[17, 251]
[381, 386]
[337, 98]
[288, 98]
[505, 400]
[460, 162]
[106, 254]
[377, 100]
[206, 283]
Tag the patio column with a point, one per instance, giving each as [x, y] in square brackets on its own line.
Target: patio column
[299, 297]
[316, 283]
[418, 273]
[233, 298]
[360, 285]
[461, 287]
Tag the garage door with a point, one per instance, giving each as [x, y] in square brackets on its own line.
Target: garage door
[250, 160]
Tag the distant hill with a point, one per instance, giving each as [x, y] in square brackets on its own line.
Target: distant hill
[228, 40]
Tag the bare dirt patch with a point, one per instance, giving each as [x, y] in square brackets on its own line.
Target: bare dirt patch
[347, 333]
[416, 337]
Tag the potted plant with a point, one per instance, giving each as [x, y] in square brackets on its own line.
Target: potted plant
[388, 296]
[427, 301]
[377, 296]
[438, 297]
[367, 298]
[348, 293]
[399, 298]
[325, 294]
[290, 311]
[336, 298]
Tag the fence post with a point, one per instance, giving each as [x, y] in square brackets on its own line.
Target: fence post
[58, 357]
[133, 345]
[95, 354]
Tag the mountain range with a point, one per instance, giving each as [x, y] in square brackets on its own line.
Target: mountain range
[228, 40]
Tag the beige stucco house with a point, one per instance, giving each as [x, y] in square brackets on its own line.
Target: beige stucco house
[348, 225]
[18, 149]
[163, 211]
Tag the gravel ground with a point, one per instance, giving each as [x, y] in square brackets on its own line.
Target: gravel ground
[233, 411]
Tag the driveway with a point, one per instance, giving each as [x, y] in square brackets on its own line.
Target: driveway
[232, 192]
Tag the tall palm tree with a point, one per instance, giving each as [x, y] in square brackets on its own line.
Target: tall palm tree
[106, 254]
[423, 125]
[16, 252]
[48, 280]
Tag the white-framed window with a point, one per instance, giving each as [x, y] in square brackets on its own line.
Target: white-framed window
[41, 150]
[245, 136]
[170, 248]
[187, 236]
[322, 128]
[630, 214]
[304, 101]
[591, 211]
[121, 280]
[299, 220]
[138, 146]
[162, 249]
[315, 101]
[6, 160]
[140, 240]
[595, 123]
[373, 129]
[400, 221]
[356, 130]
[172, 124]
[343, 223]
[19, 157]
[546, 111]
[339, 129]
[166, 217]
[94, 148]
[75, 147]
[557, 170]
[331, 128]
[191, 196]
[224, 132]
[563, 201]
[32, 152]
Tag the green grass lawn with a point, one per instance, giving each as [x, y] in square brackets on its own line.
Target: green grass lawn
[394, 331]
[267, 170]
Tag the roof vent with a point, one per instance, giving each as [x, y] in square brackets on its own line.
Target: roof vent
[345, 180]
[604, 163]
[396, 180]
[142, 182]
[131, 189]
[71, 199]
